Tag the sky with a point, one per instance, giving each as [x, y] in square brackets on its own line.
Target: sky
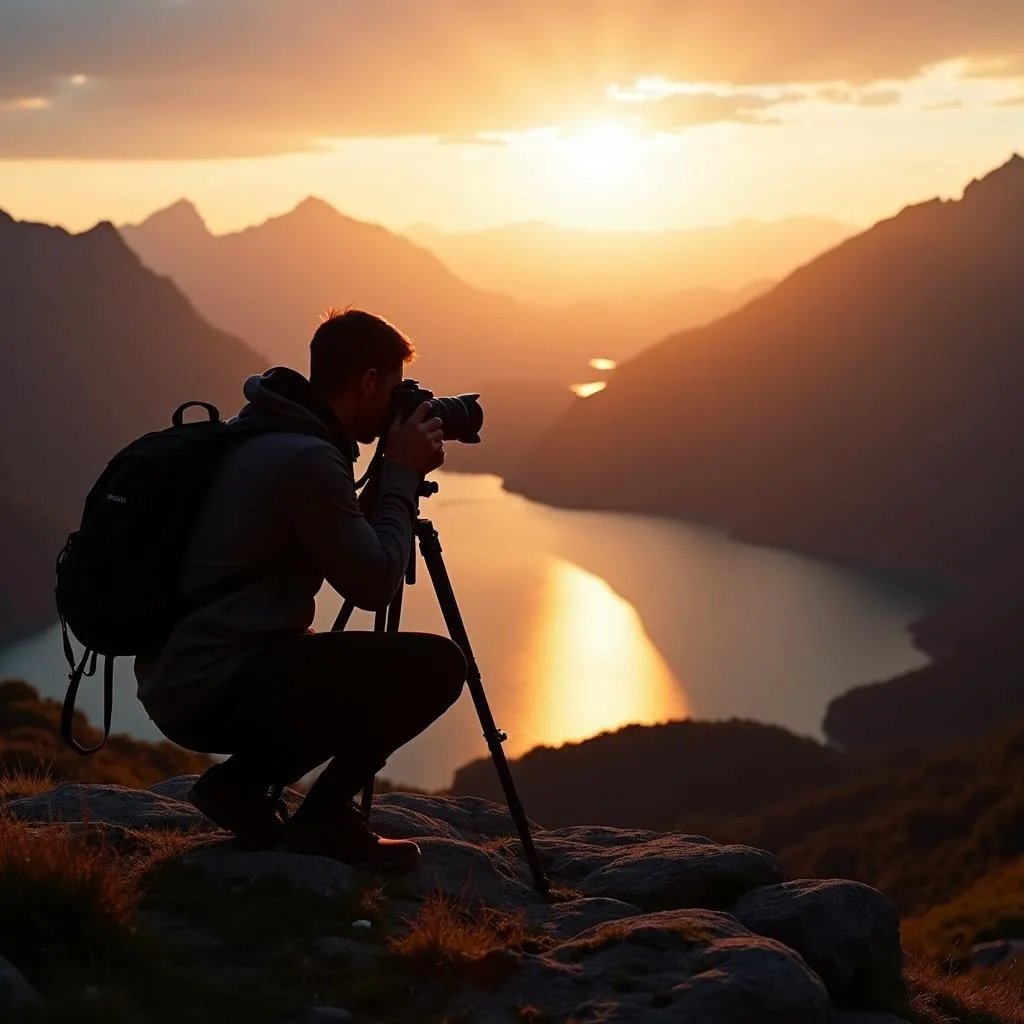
[598, 114]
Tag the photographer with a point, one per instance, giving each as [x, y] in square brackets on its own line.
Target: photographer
[244, 675]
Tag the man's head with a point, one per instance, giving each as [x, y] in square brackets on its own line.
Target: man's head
[356, 360]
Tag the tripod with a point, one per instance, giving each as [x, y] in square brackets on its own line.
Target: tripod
[388, 620]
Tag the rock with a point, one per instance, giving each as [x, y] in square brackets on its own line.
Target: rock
[410, 815]
[326, 1015]
[566, 920]
[992, 954]
[461, 869]
[176, 788]
[672, 871]
[868, 1018]
[688, 966]
[337, 946]
[318, 875]
[15, 991]
[848, 933]
[112, 805]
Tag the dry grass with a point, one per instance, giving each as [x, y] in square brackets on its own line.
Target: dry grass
[992, 908]
[16, 783]
[447, 933]
[70, 908]
[941, 998]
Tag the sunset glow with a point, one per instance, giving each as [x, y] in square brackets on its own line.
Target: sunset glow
[603, 153]
[586, 390]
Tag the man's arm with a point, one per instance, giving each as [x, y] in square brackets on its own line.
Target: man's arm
[363, 561]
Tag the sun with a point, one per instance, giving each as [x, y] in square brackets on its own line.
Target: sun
[602, 153]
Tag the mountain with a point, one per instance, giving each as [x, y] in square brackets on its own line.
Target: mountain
[94, 350]
[865, 409]
[539, 262]
[269, 284]
[30, 538]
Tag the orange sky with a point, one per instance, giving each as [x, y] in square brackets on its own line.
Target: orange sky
[589, 113]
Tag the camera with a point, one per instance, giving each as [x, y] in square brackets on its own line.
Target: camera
[461, 417]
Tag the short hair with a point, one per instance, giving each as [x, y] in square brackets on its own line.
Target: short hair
[349, 342]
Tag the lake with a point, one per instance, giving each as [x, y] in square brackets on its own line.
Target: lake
[583, 622]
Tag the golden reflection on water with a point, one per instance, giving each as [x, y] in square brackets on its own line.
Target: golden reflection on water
[591, 666]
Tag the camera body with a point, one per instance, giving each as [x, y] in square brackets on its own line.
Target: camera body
[461, 416]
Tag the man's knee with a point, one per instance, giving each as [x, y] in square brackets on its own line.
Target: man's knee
[448, 668]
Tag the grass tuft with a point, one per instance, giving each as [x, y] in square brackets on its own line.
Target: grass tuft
[17, 782]
[445, 933]
[73, 911]
[941, 998]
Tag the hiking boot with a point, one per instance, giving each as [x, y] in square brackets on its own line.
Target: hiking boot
[254, 813]
[349, 840]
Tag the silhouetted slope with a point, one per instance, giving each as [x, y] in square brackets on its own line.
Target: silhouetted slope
[922, 834]
[866, 407]
[30, 538]
[270, 283]
[654, 776]
[94, 350]
[974, 684]
[30, 743]
[539, 262]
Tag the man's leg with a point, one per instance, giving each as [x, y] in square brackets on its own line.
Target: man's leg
[352, 697]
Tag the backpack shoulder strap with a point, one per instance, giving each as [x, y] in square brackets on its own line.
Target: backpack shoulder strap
[68, 712]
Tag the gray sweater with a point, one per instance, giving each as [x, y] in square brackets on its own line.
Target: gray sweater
[288, 499]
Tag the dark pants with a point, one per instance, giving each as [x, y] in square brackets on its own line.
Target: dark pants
[352, 698]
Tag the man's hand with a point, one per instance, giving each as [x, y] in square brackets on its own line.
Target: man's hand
[416, 443]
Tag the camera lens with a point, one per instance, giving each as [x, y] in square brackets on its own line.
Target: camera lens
[461, 417]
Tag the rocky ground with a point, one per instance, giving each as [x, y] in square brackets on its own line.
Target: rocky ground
[643, 926]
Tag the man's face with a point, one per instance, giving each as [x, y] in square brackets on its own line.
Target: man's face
[371, 401]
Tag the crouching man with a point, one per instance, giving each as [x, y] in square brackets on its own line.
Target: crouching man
[243, 675]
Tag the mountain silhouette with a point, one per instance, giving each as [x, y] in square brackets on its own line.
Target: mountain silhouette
[866, 409]
[96, 350]
[30, 537]
[270, 283]
[539, 262]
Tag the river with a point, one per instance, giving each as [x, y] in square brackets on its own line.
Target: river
[583, 622]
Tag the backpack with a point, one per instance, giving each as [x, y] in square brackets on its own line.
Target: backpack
[119, 574]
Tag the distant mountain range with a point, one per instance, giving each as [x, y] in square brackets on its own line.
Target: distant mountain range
[543, 263]
[270, 283]
[94, 350]
[866, 409]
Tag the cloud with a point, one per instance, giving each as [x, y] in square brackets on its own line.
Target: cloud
[180, 78]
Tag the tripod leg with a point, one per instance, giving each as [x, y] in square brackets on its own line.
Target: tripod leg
[343, 616]
[430, 546]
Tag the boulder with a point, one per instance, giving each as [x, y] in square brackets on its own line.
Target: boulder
[992, 954]
[566, 920]
[851, 1017]
[176, 788]
[320, 876]
[15, 991]
[688, 966]
[112, 805]
[466, 817]
[672, 872]
[847, 932]
[452, 867]
[326, 1015]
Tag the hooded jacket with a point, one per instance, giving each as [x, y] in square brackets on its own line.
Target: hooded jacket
[288, 501]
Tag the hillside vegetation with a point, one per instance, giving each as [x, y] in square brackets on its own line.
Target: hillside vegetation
[30, 744]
